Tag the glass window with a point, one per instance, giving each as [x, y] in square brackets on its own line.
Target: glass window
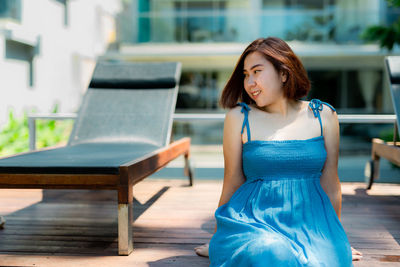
[199, 21]
[302, 4]
[10, 9]
[309, 4]
[198, 90]
[392, 14]
[23, 53]
[303, 20]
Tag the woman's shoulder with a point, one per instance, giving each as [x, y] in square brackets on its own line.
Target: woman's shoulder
[324, 108]
[326, 112]
[239, 109]
[234, 113]
[234, 118]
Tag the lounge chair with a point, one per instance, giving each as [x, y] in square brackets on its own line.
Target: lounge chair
[121, 136]
[380, 148]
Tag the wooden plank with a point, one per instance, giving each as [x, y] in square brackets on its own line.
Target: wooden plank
[84, 236]
[168, 227]
[72, 181]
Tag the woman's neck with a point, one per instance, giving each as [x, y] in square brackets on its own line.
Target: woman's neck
[283, 107]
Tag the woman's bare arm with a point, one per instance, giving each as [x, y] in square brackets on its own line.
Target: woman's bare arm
[233, 173]
[329, 179]
[232, 147]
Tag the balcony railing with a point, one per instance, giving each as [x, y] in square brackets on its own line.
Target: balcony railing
[190, 117]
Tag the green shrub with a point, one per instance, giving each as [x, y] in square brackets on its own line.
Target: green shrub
[387, 136]
[14, 136]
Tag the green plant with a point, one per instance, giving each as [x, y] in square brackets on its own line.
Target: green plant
[394, 2]
[387, 36]
[52, 132]
[387, 136]
[14, 136]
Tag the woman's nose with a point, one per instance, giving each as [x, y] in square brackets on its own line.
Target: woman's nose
[250, 81]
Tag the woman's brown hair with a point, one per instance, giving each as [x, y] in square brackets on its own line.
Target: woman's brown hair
[282, 58]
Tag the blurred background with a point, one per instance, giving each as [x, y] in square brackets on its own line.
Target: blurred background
[48, 49]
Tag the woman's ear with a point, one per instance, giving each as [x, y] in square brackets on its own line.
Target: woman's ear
[283, 76]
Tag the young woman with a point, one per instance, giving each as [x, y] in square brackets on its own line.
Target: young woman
[281, 196]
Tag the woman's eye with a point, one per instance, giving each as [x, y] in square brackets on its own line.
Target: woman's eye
[257, 71]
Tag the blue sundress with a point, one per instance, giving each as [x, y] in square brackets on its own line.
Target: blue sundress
[280, 216]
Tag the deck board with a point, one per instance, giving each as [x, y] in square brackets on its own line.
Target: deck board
[79, 227]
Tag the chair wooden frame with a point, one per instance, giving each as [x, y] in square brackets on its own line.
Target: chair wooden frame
[380, 148]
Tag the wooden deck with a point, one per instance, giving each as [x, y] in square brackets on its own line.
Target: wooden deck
[79, 227]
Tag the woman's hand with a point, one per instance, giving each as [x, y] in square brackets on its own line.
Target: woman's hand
[357, 255]
[202, 250]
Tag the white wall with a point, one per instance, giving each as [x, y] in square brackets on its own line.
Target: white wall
[66, 57]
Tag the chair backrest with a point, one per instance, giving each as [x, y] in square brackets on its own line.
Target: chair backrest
[128, 103]
[393, 70]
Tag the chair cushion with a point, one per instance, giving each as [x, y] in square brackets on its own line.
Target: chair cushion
[135, 75]
[89, 158]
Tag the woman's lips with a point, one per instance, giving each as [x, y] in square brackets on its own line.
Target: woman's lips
[255, 94]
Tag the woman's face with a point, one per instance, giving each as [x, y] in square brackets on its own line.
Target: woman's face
[261, 80]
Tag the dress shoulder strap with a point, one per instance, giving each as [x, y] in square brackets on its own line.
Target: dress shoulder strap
[245, 110]
[316, 106]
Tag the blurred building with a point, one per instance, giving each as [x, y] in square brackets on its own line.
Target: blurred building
[208, 36]
[48, 49]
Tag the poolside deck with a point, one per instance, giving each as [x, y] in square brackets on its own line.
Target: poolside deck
[79, 228]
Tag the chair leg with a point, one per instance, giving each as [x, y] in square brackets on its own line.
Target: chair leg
[370, 173]
[2, 222]
[372, 167]
[375, 174]
[125, 242]
[188, 169]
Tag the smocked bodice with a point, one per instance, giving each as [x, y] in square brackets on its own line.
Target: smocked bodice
[285, 159]
[292, 159]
